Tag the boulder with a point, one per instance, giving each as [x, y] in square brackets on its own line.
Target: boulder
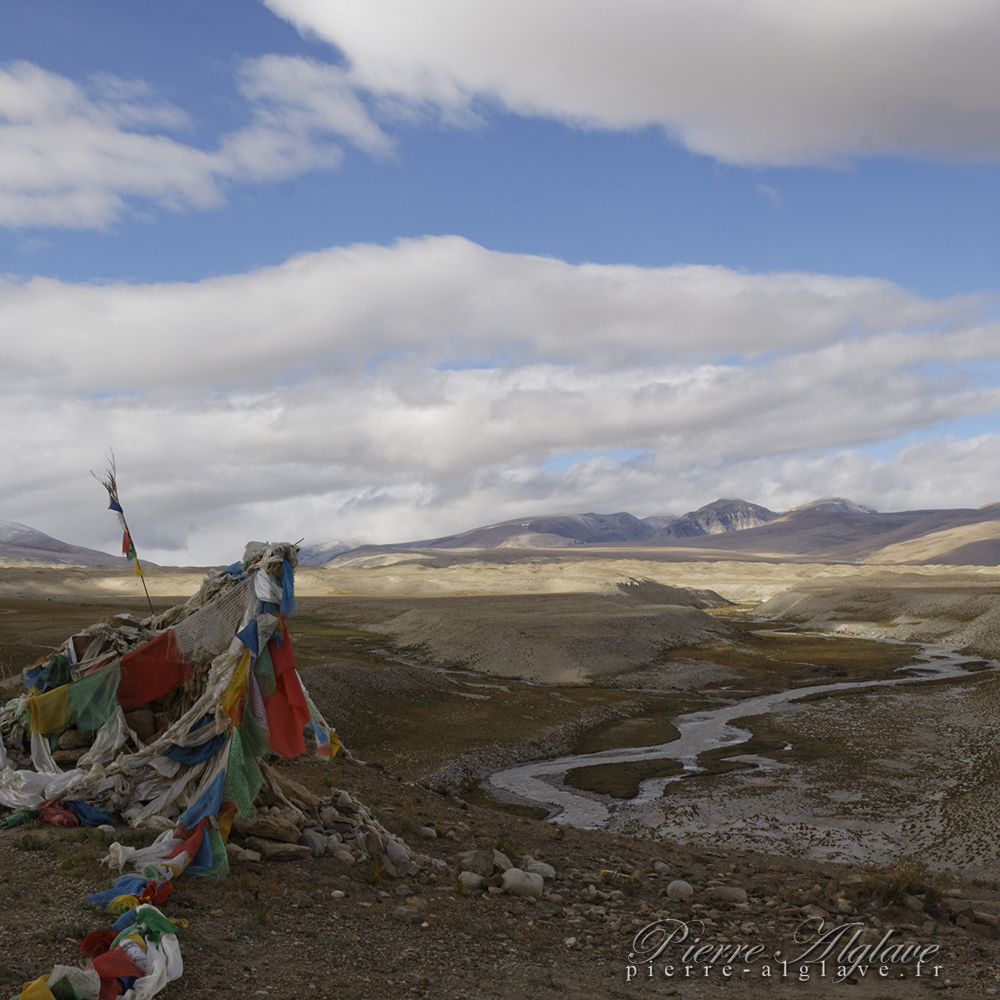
[142, 723]
[471, 882]
[401, 859]
[501, 862]
[346, 804]
[272, 827]
[541, 868]
[680, 891]
[480, 862]
[237, 853]
[517, 882]
[73, 739]
[274, 850]
[316, 841]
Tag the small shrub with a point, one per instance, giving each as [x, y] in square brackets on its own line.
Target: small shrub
[890, 886]
[512, 848]
[258, 908]
[547, 981]
[132, 837]
[374, 873]
[32, 842]
[74, 862]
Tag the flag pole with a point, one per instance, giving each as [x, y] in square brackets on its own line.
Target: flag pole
[110, 483]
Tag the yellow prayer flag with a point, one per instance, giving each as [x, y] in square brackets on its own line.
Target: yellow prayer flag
[37, 990]
[50, 711]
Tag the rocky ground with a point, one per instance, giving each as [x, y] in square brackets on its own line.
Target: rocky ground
[335, 928]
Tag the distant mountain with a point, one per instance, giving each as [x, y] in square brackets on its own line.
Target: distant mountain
[19, 543]
[840, 531]
[949, 537]
[318, 555]
[550, 531]
[807, 531]
[716, 518]
[836, 504]
[657, 521]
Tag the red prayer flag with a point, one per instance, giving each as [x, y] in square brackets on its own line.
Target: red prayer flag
[151, 671]
[286, 709]
[115, 963]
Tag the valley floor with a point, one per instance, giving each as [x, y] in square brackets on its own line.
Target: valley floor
[917, 766]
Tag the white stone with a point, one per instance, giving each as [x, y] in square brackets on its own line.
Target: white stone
[680, 891]
[521, 883]
[541, 868]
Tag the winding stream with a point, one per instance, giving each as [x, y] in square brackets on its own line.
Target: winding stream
[541, 782]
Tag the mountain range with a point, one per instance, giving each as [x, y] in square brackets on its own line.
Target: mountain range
[831, 529]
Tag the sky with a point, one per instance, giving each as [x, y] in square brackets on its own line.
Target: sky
[391, 269]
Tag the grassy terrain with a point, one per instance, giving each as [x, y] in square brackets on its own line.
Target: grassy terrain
[774, 661]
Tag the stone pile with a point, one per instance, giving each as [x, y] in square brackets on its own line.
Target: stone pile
[297, 824]
[491, 871]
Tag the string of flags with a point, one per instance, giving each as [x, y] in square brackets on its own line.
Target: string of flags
[110, 482]
[128, 546]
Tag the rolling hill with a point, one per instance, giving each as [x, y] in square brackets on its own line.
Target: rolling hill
[19, 543]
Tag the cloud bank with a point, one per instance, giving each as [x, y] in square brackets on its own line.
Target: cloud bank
[406, 391]
[775, 82]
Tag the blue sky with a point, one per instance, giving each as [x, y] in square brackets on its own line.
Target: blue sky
[387, 270]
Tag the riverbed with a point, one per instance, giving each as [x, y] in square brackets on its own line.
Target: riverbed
[909, 768]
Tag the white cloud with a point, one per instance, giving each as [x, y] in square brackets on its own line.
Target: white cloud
[441, 300]
[79, 156]
[758, 82]
[322, 397]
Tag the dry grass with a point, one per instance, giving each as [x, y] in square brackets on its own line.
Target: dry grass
[893, 884]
